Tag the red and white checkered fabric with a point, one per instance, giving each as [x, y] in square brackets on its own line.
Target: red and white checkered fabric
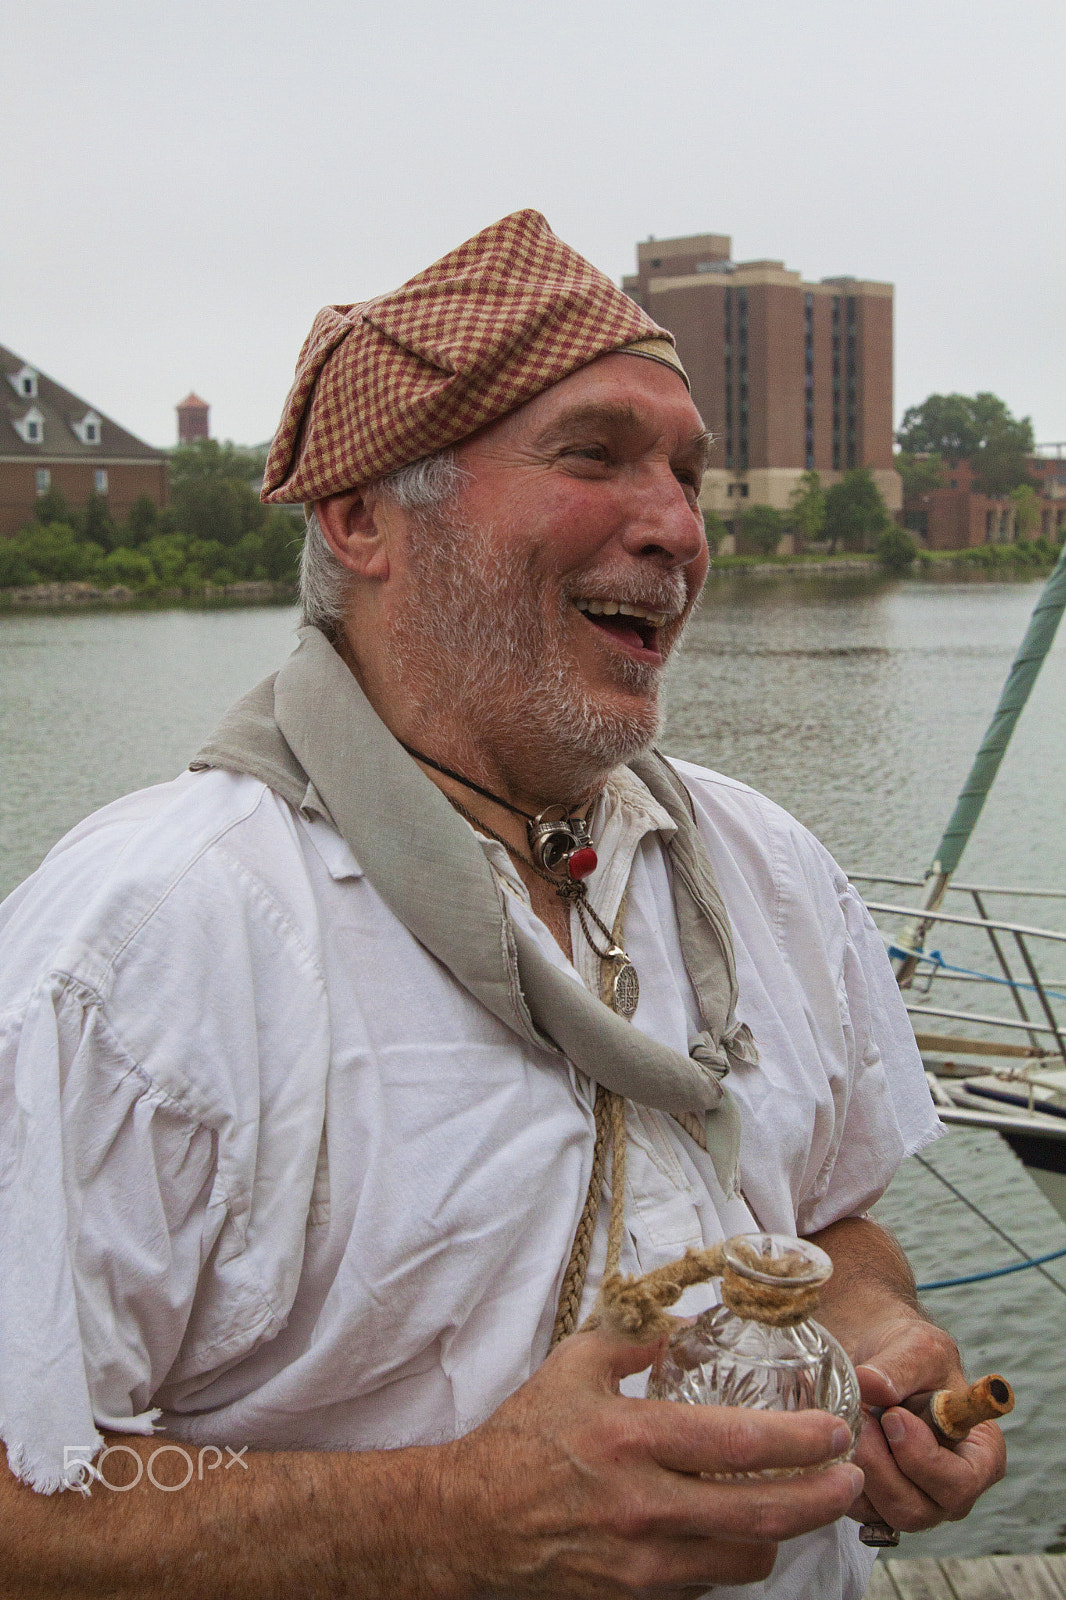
[484, 329]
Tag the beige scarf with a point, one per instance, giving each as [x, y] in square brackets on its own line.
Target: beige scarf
[310, 734]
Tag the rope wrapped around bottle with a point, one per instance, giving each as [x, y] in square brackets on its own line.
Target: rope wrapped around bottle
[634, 1309]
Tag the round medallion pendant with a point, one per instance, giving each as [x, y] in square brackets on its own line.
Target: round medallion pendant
[626, 988]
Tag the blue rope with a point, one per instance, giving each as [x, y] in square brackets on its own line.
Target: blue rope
[999, 1272]
[935, 959]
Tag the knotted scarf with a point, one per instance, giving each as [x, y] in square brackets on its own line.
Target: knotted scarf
[310, 734]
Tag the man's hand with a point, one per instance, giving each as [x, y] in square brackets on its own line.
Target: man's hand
[912, 1482]
[579, 1491]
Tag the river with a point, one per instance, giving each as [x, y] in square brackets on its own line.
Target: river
[856, 704]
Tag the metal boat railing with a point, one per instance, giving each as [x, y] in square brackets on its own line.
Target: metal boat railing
[1038, 1001]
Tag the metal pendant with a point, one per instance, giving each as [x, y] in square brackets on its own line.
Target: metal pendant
[625, 985]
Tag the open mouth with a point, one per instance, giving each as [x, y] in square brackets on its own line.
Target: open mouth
[632, 625]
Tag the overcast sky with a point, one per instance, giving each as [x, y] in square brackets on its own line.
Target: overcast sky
[184, 184]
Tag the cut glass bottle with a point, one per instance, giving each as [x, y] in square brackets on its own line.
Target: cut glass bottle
[732, 1356]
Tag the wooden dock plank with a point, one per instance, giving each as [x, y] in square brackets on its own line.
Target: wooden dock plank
[881, 1586]
[1037, 1577]
[1027, 1578]
[976, 1578]
[920, 1578]
[1056, 1566]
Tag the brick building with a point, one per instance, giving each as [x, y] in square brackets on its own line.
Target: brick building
[790, 376]
[192, 419]
[956, 516]
[51, 439]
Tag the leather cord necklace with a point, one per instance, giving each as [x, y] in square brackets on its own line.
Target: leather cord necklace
[561, 852]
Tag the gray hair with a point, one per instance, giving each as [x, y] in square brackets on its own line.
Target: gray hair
[425, 487]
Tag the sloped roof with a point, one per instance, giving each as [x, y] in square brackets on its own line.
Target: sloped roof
[59, 409]
[192, 399]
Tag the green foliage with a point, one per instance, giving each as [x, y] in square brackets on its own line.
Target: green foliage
[1026, 509]
[52, 507]
[132, 568]
[855, 512]
[52, 554]
[979, 429]
[806, 513]
[896, 549]
[762, 527]
[216, 509]
[95, 522]
[216, 533]
[143, 521]
[210, 461]
[715, 529]
[920, 474]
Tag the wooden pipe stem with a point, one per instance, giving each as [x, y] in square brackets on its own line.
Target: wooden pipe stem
[951, 1413]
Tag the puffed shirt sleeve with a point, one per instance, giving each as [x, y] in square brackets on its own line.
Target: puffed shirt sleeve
[163, 1015]
[887, 1112]
[105, 1205]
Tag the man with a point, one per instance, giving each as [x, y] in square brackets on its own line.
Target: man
[339, 1071]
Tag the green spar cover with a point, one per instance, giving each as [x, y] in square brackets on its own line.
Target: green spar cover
[1027, 663]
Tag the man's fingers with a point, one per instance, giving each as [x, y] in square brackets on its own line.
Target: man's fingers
[890, 1496]
[731, 1439]
[753, 1510]
[914, 1482]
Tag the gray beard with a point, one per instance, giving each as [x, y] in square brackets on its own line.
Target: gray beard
[480, 633]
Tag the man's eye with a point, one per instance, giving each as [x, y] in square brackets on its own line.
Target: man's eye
[590, 452]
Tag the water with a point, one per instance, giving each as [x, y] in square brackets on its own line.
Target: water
[857, 705]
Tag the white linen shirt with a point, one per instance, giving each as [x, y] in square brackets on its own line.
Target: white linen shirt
[269, 1176]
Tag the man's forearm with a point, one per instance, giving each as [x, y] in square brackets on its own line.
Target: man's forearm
[301, 1522]
[569, 1488]
[872, 1281]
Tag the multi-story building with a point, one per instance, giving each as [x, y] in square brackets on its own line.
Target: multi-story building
[51, 439]
[790, 376]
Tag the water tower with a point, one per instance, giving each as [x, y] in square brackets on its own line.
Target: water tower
[192, 419]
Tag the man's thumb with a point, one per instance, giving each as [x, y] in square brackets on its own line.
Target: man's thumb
[607, 1358]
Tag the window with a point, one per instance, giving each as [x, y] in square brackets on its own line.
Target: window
[100, 480]
[24, 382]
[87, 428]
[44, 481]
[30, 428]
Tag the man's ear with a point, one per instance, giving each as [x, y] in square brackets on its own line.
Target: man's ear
[356, 529]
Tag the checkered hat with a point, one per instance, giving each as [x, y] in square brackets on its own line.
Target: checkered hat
[484, 329]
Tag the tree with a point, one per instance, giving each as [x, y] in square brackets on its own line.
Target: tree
[979, 429]
[762, 527]
[53, 507]
[1026, 509]
[211, 491]
[806, 512]
[94, 521]
[896, 549]
[920, 474]
[715, 529]
[207, 458]
[855, 512]
[142, 522]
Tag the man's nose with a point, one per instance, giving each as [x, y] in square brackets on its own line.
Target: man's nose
[664, 524]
